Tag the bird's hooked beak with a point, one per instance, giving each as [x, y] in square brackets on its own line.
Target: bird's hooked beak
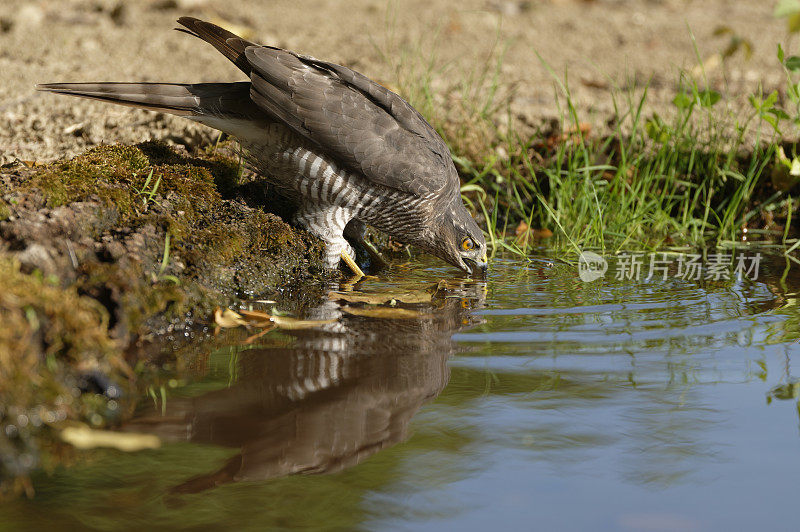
[476, 267]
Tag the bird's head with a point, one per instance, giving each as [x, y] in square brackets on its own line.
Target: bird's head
[459, 241]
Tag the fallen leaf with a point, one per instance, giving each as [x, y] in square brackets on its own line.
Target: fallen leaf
[595, 83]
[75, 129]
[415, 296]
[583, 130]
[228, 318]
[83, 437]
[259, 318]
[383, 312]
[256, 315]
[253, 338]
[293, 323]
[524, 233]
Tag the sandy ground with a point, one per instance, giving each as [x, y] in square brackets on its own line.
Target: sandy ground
[602, 42]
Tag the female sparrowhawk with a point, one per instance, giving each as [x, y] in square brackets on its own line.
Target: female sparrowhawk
[347, 150]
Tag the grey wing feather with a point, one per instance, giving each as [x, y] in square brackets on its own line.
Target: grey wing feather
[361, 124]
[228, 44]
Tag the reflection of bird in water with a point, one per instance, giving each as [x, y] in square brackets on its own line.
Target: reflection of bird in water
[326, 403]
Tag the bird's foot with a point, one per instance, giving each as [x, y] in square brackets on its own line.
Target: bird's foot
[355, 232]
[352, 264]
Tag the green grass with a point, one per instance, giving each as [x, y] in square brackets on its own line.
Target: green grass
[710, 174]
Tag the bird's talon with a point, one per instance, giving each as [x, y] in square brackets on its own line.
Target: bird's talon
[352, 264]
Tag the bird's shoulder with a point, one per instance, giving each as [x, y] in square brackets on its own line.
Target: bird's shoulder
[360, 123]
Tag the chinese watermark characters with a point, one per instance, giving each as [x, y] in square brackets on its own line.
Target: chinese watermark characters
[718, 266]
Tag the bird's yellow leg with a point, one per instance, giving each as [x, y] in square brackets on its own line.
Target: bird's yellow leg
[352, 264]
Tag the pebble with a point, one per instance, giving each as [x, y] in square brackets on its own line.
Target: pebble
[510, 9]
[7, 160]
[29, 17]
[75, 129]
[186, 5]
[36, 256]
[119, 14]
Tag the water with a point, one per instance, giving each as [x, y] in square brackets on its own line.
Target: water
[530, 401]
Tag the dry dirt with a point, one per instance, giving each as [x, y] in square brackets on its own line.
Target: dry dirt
[603, 43]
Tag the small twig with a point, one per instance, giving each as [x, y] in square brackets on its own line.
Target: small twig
[72, 256]
[165, 257]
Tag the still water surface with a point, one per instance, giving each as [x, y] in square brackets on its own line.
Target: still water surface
[530, 401]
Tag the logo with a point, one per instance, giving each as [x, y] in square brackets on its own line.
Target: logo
[591, 266]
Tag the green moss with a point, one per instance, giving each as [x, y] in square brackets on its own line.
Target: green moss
[49, 335]
[152, 184]
[159, 153]
[116, 157]
[124, 176]
[5, 211]
[268, 233]
[227, 172]
[103, 172]
[78, 324]
[222, 241]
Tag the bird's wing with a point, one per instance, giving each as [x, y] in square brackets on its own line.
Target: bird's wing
[228, 44]
[362, 125]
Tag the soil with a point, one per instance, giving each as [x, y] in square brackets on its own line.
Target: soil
[601, 43]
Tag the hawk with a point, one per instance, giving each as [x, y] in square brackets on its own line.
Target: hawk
[348, 151]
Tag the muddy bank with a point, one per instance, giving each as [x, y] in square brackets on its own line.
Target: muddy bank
[101, 252]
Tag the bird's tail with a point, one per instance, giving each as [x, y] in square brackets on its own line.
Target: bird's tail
[228, 100]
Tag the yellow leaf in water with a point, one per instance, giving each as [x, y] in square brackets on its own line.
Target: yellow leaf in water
[85, 438]
[255, 315]
[262, 319]
[228, 318]
[267, 328]
[415, 296]
[285, 322]
[383, 312]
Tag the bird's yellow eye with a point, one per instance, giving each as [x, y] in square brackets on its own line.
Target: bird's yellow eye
[467, 244]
